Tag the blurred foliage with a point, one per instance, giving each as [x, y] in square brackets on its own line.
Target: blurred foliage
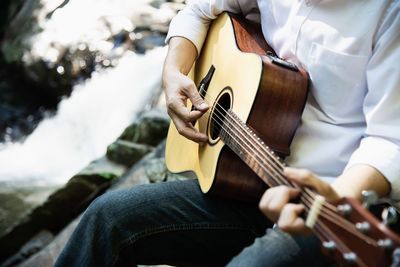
[4, 7]
[20, 23]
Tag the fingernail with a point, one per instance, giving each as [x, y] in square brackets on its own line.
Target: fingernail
[203, 106]
[288, 169]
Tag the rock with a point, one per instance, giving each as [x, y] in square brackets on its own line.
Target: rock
[21, 105]
[131, 133]
[157, 3]
[134, 176]
[146, 40]
[17, 203]
[137, 174]
[104, 168]
[48, 256]
[136, 141]
[33, 246]
[151, 128]
[156, 171]
[127, 153]
[61, 206]
[157, 15]
[179, 176]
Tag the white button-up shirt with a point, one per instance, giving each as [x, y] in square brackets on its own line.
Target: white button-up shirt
[351, 50]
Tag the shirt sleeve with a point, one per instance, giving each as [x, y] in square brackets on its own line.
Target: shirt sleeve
[193, 21]
[380, 147]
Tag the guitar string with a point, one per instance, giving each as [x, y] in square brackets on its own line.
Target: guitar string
[349, 226]
[272, 160]
[273, 178]
[308, 203]
[324, 233]
[328, 235]
[341, 246]
[339, 220]
[279, 165]
[281, 177]
[346, 225]
[335, 215]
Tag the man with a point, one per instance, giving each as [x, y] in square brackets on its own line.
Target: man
[349, 137]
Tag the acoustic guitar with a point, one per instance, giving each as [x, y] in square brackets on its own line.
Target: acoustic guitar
[256, 100]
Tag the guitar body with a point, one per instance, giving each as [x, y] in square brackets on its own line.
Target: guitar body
[267, 96]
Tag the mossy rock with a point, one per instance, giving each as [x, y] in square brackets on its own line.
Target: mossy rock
[151, 128]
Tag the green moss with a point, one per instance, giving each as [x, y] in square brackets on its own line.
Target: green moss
[107, 175]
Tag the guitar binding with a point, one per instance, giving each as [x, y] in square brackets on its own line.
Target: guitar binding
[222, 104]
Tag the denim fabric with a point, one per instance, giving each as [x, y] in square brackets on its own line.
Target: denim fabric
[279, 249]
[175, 223]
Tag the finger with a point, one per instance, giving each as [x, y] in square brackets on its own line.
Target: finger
[187, 130]
[290, 220]
[301, 176]
[307, 178]
[178, 107]
[194, 96]
[195, 115]
[274, 199]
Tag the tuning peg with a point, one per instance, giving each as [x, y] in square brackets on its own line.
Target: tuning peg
[344, 209]
[389, 216]
[329, 245]
[350, 257]
[369, 198]
[364, 227]
[396, 258]
[385, 244]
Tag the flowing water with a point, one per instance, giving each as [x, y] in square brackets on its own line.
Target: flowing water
[85, 123]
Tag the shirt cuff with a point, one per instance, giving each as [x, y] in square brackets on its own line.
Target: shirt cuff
[384, 156]
[187, 25]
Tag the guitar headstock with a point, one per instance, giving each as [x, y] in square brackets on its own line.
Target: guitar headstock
[355, 237]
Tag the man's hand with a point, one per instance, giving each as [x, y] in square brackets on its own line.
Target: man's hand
[179, 88]
[275, 203]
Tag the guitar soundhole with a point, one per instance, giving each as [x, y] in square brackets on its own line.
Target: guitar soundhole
[217, 118]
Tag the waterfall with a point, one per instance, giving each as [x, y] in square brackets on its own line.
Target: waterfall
[99, 108]
[90, 119]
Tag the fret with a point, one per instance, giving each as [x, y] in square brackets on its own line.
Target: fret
[250, 148]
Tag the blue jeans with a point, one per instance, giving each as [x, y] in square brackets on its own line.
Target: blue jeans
[175, 223]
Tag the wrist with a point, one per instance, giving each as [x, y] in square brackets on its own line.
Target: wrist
[170, 74]
[359, 178]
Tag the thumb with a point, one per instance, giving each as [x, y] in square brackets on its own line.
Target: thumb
[194, 96]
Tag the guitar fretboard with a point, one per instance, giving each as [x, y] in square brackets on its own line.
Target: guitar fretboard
[251, 149]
